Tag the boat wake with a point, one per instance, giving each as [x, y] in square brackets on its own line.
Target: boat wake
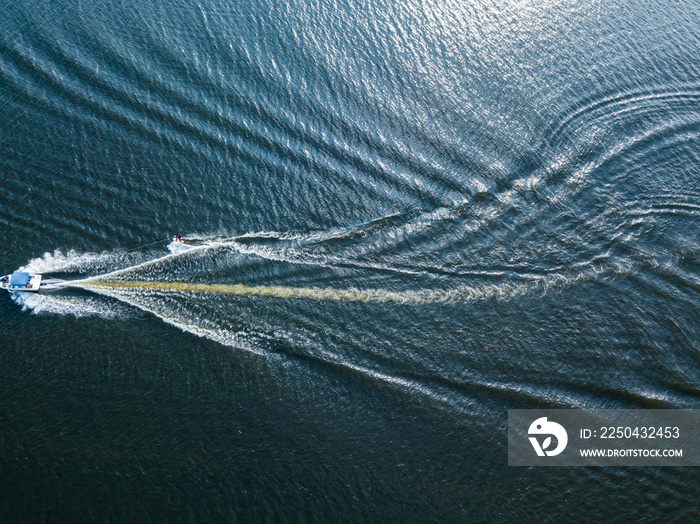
[271, 265]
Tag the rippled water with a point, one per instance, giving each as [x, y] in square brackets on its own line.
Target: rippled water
[401, 220]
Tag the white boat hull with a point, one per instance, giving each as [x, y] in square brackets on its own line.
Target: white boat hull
[21, 282]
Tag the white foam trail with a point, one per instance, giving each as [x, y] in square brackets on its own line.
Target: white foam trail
[174, 252]
[74, 306]
[71, 261]
[176, 248]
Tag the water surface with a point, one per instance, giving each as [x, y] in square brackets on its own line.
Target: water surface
[402, 219]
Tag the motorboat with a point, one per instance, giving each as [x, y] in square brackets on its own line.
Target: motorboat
[21, 281]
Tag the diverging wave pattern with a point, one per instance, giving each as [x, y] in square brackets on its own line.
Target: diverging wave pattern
[333, 297]
[373, 262]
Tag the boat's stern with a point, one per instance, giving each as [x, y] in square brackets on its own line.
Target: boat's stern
[34, 282]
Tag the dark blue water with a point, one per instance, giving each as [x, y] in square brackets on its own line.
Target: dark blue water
[421, 215]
